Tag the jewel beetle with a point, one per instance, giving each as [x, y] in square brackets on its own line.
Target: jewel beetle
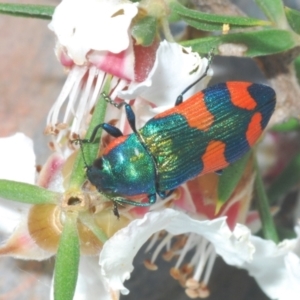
[203, 134]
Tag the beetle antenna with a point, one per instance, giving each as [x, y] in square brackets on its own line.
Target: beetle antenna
[209, 58]
[79, 141]
[112, 102]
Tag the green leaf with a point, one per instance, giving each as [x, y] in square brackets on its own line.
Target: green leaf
[145, 30]
[78, 175]
[256, 43]
[26, 10]
[287, 179]
[212, 22]
[274, 11]
[289, 125]
[285, 233]
[230, 178]
[293, 17]
[297, 68]
[27, 193]
[85, 218]
[268, 226]
[67, 260]
[205, 26]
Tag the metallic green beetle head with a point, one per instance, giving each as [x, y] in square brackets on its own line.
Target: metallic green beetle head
[126, 169]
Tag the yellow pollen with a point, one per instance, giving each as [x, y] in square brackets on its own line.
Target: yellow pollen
[203, 291]
[61, 126]
[187, 269]
[193, 294]
[175, 273]
[150, 266]
[180, 243]
[191, 283]
[168, 255]
[225, 28]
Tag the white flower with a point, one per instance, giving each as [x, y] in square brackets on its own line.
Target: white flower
[17, 158]
[84, 25]
[175, 68]
[292, 264]
[276, 268]
[116, 266]
[17, 161]
[93, 41]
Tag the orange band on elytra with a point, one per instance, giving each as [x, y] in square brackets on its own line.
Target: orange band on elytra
[214, 157]
[194, 110]
[240, 96]
[119, 140]
[254, 128]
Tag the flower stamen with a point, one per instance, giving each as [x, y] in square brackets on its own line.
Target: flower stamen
[203, 251]
[188, 245]
[160, 246]
[194, 276]
[74, 78]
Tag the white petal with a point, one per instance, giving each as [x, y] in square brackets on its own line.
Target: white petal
[269, 268]
[116, 266]
[292, 264]
[21, 245]
[11, 213]
[84, 25]
[90, 283]
[175, 68]
[17, 162]
[17, 158]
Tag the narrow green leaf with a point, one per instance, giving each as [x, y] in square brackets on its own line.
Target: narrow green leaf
[145, 30]
[27, 10]
[205, 26]
[289, 125]
[212, 22]
[287, 179]
[297, 68]
[67, 260]
[268, 227]
[293, 17]
[256, 43]
[78, 175]
[86, 219]
[26, 193]
[274, 11]
[285, 233]
[230, 178]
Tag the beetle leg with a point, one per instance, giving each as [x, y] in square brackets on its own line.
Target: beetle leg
[130, 117]
[129, 112]
[151, 198]
[115, 210]
[165, 194]
[112, 102]
[180, 97]
[112, 130]
[219, 172]
[121, 200]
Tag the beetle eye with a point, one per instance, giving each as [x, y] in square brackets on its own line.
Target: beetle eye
[98, 163]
